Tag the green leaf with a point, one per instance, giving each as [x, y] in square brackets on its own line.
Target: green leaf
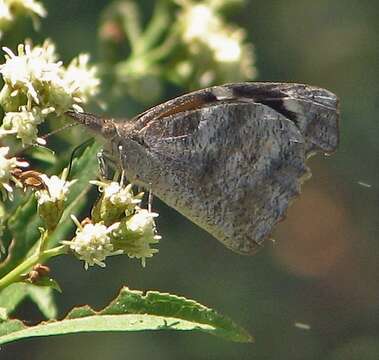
[11, 296]
[14, 294]
[43, 298]
[48, 282]
[133, 311]
[43, 154]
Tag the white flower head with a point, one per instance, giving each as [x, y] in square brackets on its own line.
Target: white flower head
[227, 47]
[135, 235]
[116, 202]
[142, 222]
[31, 7]
[24, 124]
[30, 69]
[36, 84]
[92, 243]
[52, 197]
[219, 49]
[7, 165]
[81, 78]
[56, 189]
[118, 194]
[10, 9]
[5, 13]
[199, 20]
[203, 25]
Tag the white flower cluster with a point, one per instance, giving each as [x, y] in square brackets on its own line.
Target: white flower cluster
[56, 189]
[10, 9]
[219, 45]
[51, 198]
[117, 193]
[37, 84]
[92, 243]
[115, 228]
[7, 166]
[142, 226]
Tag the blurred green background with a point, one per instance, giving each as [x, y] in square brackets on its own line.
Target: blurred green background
[323, 269]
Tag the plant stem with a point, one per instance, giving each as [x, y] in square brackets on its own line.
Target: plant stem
[157, 26]
[131, 24]
[38, 257]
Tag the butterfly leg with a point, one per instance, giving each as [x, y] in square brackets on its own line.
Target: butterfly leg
[107, 165]
[150, 199]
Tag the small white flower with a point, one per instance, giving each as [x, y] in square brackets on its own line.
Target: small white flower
[136, 235]
[31, 7]
[116, 202]
[226, 47]
[6, 167]
[203, 25]
[81, 78]
[27, 71]
[199, 21]
[116, 193]
[5, 13]
[92, 243]
[56, 189]
[143, 222]
[9, 9]
[212, 41]
[24, 124]
[51, 199]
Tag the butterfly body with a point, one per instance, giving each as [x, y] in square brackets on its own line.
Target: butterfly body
[230, 158]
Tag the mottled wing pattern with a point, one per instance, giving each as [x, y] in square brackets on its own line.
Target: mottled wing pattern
[235, 158]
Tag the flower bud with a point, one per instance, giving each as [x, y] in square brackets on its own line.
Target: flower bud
[116, 202]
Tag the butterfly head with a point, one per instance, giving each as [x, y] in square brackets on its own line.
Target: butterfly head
[105, 127]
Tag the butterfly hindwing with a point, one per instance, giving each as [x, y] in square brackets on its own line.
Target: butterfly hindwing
[233, 173]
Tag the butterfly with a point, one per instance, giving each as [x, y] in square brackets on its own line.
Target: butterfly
[230, 158]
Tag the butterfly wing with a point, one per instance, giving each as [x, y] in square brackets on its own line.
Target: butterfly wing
[233, 157]
[231, 168]
[230, 158]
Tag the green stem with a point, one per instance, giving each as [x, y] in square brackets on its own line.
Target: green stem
[163, 51]
[38, 257]
[158, 25]
[131, 24]
[150, 58]
[43, 241]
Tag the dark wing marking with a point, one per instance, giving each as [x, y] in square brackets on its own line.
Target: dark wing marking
[314, 110]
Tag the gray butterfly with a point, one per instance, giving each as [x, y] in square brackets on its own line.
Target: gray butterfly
[230, 158]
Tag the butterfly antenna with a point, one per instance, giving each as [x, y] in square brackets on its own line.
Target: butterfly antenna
[65, 127]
